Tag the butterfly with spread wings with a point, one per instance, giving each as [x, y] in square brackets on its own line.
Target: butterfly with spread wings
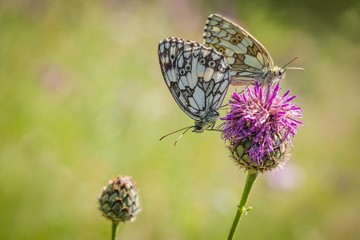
[248, 59]
[197, 77]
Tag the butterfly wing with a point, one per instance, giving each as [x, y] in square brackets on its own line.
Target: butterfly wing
[197, 76]
[247, 57]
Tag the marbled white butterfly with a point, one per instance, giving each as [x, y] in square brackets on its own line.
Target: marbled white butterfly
[248, 59]
[197, 77]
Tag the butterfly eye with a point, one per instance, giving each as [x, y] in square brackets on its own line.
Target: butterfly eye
[282, 72]
[182, 71]
[212, 64]
[202, 61]
[187, 67]
[234, 41]
[172, 56]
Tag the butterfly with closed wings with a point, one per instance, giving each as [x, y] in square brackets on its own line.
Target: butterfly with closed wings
[197, 77]
[248, 59]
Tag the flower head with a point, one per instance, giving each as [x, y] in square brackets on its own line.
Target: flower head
[119, 200]
[260, 126]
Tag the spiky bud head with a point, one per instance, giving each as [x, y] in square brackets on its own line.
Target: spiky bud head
[119, 200]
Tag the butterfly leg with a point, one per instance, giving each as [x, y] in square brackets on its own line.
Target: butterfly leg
[216, 129]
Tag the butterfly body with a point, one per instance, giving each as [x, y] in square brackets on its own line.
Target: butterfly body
[248, 59]
[197, 77]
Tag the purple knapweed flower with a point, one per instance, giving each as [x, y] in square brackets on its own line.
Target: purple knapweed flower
[260, 126]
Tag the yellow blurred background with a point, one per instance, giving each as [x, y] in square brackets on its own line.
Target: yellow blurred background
[83, 100]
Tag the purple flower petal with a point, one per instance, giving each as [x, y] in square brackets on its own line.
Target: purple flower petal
[258, 114]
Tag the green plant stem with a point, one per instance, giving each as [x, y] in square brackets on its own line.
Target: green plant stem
[250, 180]
[114, 230]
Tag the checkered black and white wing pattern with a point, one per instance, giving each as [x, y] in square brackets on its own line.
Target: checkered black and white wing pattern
[197, 77]
[247, 57]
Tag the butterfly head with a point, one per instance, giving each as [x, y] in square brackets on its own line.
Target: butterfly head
[198, 128]
[273, 76]
[278, 74]
[201, 126]
[208, 121]
[285, 67]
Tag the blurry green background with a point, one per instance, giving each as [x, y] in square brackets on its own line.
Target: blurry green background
[83, 100]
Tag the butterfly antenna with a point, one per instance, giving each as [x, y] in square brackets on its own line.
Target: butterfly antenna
[295, 68]
[188, 128]
[176, 132]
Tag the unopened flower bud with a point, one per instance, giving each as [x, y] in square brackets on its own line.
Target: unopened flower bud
[119, 201]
